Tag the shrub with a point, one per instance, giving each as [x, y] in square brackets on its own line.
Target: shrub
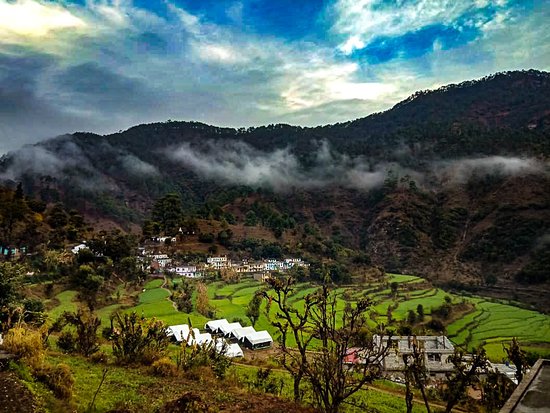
[137, 339]
[67, 342]
[26, 344]
[100, 357]
[436, 325]
[164, 367]
[58, 378]
[265, 382]
[189, 402]
[192, 357]
[86, 325]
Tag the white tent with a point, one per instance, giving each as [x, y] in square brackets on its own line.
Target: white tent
[257, 340]
[180, 332]
[213, 326]
[239, 333]
[228, 350]
[226, 329]
[204, 338]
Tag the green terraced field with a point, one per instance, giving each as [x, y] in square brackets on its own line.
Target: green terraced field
[495, 323]
[490, 323]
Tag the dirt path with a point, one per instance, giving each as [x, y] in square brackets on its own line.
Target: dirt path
[163, 286]
[14, 396]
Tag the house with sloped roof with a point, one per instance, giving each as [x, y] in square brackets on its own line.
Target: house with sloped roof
[226, 329]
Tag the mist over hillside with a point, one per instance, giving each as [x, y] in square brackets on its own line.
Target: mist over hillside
[452, 184]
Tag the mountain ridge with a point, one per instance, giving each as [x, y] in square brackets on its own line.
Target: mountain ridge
[444, 184]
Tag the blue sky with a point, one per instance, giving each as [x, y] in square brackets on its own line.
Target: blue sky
[105, 65]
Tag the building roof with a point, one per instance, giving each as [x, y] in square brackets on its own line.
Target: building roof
[258, 337]
[229, 327]
[227, 349]
[428, 343]
[200, 338]
[533, 393]
[239, 333]
[215, 324]
[509, 370]
[180, 332]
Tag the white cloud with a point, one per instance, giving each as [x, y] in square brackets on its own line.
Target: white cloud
[360, 21]
[330, 82]
[235, 162]
[460, 170]
[35, 19]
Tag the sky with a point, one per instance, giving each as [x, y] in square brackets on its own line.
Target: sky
[106, 65]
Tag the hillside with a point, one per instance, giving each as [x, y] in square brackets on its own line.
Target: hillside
[451, 184]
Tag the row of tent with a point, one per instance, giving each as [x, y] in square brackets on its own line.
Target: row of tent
[182, 332]
[226, 336]
[234, 332]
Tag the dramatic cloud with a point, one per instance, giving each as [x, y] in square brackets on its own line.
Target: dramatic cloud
[105, 65]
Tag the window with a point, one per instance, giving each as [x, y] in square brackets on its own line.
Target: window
[434, 357]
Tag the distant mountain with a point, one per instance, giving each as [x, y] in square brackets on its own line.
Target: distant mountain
[452, 183]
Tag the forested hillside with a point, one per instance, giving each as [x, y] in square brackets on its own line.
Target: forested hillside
[452, 184]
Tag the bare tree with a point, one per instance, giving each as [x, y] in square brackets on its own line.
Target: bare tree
[349, 357]
[517, 356]
[291, 322]
[346, 356]
[415, 373]
[465, 373]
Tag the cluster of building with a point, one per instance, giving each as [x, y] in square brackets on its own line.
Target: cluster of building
[226, 337]
[162, 262]
[12, 252]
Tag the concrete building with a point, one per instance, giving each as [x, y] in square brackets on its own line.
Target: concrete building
[436, 350]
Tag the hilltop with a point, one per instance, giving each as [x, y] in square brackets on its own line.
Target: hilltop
[451, 184]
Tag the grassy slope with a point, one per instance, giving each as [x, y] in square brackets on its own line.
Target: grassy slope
[128, 386]
[492, 323]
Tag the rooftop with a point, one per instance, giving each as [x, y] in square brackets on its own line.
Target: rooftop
[533, 393]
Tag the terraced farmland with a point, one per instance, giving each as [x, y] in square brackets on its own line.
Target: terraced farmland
[489, 323]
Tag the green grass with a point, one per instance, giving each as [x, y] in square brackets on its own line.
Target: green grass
[401, 278]
[375, 399]
[490, 323]
[66, 303]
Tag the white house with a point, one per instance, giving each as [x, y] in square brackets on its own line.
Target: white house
[180, 332]
[199, 338]
[164, 239]
[75, 250]
[217, 263]
[188, 271]
[228, 349]
[162, 259]
[257, 340]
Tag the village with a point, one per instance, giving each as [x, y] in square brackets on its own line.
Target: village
[232, 339]
[158, 263]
